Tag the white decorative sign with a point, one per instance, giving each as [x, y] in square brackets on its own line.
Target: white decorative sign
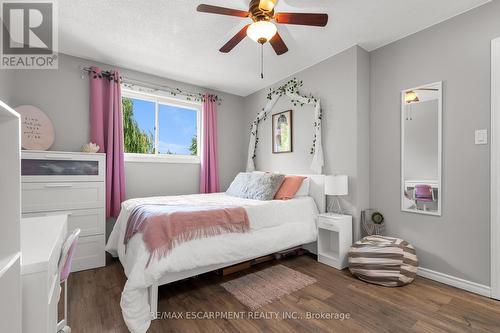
[37, 131]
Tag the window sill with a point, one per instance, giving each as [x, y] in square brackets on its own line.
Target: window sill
[174, 159]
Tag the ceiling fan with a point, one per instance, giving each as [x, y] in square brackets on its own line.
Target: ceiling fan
[263, 29]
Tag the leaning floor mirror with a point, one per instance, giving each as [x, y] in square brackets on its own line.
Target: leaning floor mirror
[421, 146]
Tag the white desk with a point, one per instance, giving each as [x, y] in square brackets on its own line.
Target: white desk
[41, 242]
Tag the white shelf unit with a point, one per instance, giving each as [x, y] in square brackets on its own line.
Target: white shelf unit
[10, 240]
[70, 183]
[334, 239]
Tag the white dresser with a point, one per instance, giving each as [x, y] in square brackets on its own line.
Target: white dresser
[73, 184]
[41, 242]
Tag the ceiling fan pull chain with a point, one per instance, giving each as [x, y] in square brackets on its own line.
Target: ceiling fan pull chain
[262, 61]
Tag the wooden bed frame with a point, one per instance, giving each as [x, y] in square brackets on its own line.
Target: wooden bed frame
[316, 191]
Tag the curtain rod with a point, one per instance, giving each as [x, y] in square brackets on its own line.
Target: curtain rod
[145, 84]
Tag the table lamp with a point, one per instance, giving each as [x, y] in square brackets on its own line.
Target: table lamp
[336, 185]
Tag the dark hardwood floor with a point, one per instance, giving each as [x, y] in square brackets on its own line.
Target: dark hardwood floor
[423, 306]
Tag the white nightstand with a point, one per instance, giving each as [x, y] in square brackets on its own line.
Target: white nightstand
[334, 239]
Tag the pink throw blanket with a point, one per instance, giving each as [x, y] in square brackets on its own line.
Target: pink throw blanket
[163, 227]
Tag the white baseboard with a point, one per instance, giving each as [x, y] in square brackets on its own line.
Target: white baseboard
[453, 281]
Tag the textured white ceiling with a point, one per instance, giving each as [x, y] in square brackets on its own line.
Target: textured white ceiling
[169, 38]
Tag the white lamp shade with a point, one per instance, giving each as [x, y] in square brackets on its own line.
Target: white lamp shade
[264, 30]
[336, 185]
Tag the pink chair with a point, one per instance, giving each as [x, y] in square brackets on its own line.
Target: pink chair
[67, 251]
[424, 193]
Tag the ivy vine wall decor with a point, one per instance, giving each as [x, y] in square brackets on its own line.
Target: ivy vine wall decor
[290, 90]
[174, 92]
[150, 88]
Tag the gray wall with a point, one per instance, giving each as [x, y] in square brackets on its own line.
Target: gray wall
[342, 84]
[456, 52]
[5, 85]
[64, 96]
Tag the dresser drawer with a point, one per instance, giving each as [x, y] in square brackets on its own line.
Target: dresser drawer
[326, 223]
[334, 222]
[43, 197]
[89, 253]
[39, 166]
[89, 221]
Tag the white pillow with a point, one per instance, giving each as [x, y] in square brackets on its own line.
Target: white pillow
[304, 188]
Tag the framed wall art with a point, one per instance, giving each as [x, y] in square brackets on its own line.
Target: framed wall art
[282, 132]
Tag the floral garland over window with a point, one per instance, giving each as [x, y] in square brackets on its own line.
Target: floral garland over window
[108, 75]
[175, 92]
[291, 90]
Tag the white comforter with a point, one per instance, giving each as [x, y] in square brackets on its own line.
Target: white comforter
[275, 225]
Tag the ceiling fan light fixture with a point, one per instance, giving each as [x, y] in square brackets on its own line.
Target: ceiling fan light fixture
[267, 5]
[411, 97]
[261, 31]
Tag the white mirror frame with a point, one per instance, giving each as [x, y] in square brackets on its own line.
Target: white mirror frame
[438, 85]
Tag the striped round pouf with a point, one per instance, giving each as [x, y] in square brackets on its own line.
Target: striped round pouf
[386, 261]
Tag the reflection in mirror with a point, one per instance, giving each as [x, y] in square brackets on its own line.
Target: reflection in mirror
[421, 149]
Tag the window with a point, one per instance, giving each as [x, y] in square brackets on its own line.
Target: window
[159, 128]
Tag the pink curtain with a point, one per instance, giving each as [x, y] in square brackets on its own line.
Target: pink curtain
[106, 130]
[209, 175]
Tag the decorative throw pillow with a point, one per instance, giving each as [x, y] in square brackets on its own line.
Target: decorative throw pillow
[264, 186]
[290, 186]
[304, 188]
[255, 185]
[239, 185]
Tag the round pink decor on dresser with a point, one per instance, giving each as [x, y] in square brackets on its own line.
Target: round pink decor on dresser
[37, 131]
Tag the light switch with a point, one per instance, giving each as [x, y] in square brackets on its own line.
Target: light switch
[481, 137]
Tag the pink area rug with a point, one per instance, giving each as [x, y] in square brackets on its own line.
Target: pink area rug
[258, 289]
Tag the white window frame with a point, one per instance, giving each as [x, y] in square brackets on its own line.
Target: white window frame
[158, 99]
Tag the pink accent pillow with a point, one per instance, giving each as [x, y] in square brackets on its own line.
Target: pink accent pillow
[289, 187]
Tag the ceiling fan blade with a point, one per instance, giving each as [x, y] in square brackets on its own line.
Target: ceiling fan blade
[235, 40]
[278, 44]
[222, 10]
[318, 20]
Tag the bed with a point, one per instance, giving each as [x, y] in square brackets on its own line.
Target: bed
[275, 225]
